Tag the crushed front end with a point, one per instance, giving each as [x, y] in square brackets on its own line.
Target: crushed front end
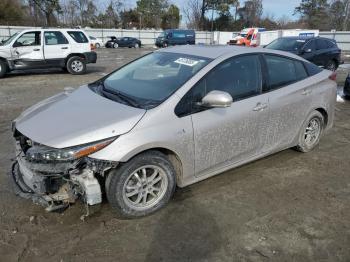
[56, 178]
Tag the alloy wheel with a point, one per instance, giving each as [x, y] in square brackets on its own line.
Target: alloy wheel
[77, 66]
[145, 187]
[312, 132]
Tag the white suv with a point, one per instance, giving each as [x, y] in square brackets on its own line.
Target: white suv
[43, 48]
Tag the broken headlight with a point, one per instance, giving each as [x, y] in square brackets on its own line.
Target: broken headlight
[44, 153]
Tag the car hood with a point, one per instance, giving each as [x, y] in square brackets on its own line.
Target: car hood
[74, 118]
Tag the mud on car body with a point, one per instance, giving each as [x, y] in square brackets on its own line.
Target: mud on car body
[170, 118]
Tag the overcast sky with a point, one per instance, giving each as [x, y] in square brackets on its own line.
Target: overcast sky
[278, 8]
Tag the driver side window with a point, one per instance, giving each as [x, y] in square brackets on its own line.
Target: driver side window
[28, 39]
[239, 76]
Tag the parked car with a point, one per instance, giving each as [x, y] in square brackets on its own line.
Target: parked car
[44, 48]
[321, 51]
[346, 89]
[97, 42]
[115, 42]
[176, 37]
[251, 37]
[170, 118]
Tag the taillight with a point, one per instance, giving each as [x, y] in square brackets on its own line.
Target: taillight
[333, 76]
[92, 47]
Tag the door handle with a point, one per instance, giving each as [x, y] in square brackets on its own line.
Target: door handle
[259, 107]
[64, 47]
[36, 49]
[306, 92]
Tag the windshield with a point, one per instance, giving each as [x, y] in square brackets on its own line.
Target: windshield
[9, 40]
[287, 44]
[153, 78]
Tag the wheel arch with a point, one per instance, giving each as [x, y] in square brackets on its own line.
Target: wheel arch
[324, 114]
[74, 54]
[170, 154]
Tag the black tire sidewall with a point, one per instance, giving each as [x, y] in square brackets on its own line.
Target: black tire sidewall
[69, 64]
[302, 147]
[117, 178]
[3, 69]
[331, 62]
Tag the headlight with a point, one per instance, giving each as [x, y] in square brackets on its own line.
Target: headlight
[44, 153]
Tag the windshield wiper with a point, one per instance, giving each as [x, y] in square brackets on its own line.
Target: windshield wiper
[127, 99]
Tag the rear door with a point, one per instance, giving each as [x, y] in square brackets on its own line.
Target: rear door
[28, 48]
[290, 97]
[56, 46]
[225, 136]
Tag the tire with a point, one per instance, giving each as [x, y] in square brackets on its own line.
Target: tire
[115, 45]
[141, 199]
[76, 65]
[97, 45]
[311, 132]
[3, 68]
[331, 65]
[136, 45]
[165, 45]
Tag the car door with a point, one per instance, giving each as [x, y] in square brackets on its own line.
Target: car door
[56, 46]
[289, 100]
[308, 51]
[225, 136]
[27, 49]
[322, 52]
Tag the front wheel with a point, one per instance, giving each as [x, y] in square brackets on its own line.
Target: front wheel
[97, 45]
[115, 45]
[3, 68]
[141, 186]
[311, 132]
[76, 65]
[136, 45]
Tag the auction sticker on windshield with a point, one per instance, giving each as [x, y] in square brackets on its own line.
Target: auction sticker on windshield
[186, 61]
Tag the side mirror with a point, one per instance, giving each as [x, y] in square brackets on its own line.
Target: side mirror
[218, 99]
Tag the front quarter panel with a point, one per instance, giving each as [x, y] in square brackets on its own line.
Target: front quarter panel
[159, 128]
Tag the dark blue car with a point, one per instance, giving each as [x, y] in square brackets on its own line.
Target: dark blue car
[176, 37]
[321, 51]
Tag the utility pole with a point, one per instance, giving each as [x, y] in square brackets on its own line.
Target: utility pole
[347, 13]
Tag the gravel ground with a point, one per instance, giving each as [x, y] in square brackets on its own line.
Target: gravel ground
[286, 207]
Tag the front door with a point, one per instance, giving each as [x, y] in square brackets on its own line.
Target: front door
[225, 136]
[27, 50]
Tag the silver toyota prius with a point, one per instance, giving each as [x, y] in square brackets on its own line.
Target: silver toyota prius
[170, 118]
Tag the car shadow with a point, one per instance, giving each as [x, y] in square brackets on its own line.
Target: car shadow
[185, 231]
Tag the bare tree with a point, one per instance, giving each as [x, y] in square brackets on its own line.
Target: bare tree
[192, 14]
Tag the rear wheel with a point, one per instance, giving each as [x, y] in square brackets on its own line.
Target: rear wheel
[3, 68]
[142, 185]
[165, 44]
[311, 132]
[97, 45]
[331, 65]
[76, 65]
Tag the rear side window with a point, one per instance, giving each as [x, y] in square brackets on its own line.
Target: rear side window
[331, 44]
[321, 44]
[78, 36]
[312, 69]
[55, 38]
[283, 71]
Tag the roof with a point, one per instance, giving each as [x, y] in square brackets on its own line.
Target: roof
[215, 51]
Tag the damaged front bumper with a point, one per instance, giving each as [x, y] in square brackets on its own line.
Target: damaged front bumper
[56, 185]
